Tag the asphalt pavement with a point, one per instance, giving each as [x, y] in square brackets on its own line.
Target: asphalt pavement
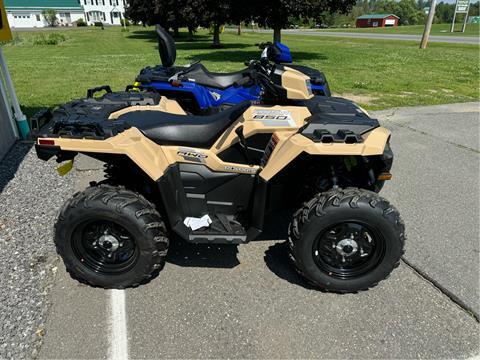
[455, 39]
[436, 188]
[247, 302]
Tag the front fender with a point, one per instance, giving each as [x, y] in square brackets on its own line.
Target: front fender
[289, 147]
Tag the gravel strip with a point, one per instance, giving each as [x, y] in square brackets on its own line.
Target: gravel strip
[31, 193]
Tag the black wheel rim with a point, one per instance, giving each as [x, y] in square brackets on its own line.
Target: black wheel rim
[105, 247]
[348, 250]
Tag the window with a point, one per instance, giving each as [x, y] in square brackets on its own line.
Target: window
[115, 15]
[95, 15]
[38, 17]
[96, 2]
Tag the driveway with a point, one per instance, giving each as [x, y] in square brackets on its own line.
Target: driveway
[246, 302]
[433, 38]
[475, 40]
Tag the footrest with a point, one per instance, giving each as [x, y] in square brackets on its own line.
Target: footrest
[217, 239]
[225, 229]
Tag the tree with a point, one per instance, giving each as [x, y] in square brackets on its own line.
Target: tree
[278, 14]
[216, 13]
[140, 11]
[190, 11]
[242, 11]
[444, 12]
[50, 16]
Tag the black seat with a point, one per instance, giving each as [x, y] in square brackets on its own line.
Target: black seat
[198, 72]
[183, 130]
[202, 76]
[166, 47]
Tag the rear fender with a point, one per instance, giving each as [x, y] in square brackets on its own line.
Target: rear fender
[289, 147]
[147, 155]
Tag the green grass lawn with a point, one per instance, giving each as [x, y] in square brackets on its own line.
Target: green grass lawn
[378, 74]
[437, 29]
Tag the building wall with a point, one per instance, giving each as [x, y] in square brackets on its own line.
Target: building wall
[34, 18]
[376, 22]
[106, 11]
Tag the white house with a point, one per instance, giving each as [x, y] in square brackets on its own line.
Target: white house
[28, 13]
[106, 11]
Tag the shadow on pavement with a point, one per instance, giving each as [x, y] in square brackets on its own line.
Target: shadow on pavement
[276, 259]
[12, 161]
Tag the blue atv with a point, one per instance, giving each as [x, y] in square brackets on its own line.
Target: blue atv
[200, 91]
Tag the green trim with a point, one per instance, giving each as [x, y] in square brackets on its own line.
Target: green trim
[42, 4]
[376, 16]
[40, 9]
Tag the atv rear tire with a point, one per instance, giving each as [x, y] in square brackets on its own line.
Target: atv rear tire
[346, 240]
[111, 237]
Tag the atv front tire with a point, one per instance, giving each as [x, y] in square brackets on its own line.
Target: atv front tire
[111, 237]
[346, 240]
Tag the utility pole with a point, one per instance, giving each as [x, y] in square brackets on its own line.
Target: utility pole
[428, 25]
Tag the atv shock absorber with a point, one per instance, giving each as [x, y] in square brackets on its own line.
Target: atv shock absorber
[371, 174]
[334, 178]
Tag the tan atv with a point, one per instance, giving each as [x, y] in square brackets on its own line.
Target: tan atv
[219, 178]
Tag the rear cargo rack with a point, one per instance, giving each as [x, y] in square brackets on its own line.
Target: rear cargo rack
[88, 118]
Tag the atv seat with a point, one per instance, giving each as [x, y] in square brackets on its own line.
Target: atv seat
[202, 76]
[197, 72]
[183, 130]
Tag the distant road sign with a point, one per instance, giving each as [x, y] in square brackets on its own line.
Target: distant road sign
[462, 6]
[5, 33]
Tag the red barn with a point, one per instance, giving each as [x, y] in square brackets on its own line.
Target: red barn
[377, 20]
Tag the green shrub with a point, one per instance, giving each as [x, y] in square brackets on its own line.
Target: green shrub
[124, 22]
[98, 24]
[50, 39]
[81, 22]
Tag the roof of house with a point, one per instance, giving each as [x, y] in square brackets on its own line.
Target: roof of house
[42, 4]
[376, 16]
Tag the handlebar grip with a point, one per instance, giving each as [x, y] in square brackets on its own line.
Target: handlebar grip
[91, 92]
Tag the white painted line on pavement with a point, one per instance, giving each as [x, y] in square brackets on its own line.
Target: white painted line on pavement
[118, 326]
